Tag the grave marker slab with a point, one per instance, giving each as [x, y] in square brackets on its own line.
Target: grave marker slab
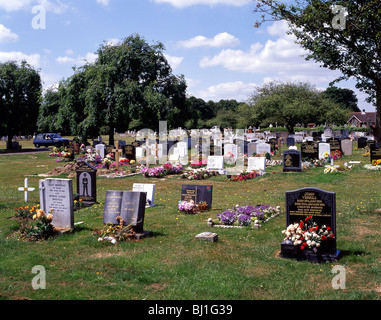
[129, 152]
[347, 147]
[263, 148]
[375, 153]
[216, 163]
[149, 189]
[323, 148]
[100, 149]
[57, 194]
[320, 205]
[197, 193]
[129, 205]
[310, 150]
[292, 161]
[86, 182]
[256, 164]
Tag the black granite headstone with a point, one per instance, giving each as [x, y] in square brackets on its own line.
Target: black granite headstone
[335, 144]
[292, 161]
[86, 182]
[197, 193]
[310, 150]
[361, 142]
[129, 152]
[129, 205]
[320, 205]
[375, 152]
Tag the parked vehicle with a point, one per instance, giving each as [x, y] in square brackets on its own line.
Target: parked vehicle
[49, 139]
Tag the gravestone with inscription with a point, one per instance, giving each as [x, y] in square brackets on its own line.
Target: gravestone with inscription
[86, 182]
[324, 148]
[129, 205]
[347, 147]
[216, 163]
[256, 164]
[361, 142]
[310, 150]
[149, 189]
[320, 205]
[292, 161]
[375, 152]
[57, 194]
[335, 144]
[100, 149]
[129, 152]
[197, 193]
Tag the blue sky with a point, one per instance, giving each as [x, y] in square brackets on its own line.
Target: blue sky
[211, 42]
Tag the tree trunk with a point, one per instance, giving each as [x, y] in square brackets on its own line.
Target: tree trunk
[377, 128]
[9, 142]
[111, 140]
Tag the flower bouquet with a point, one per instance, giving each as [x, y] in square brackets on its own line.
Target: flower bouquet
[307, 234]
[188, 207]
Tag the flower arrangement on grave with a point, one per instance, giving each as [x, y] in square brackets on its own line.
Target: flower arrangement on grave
[247, 215]
[90, 156]
[61, 153]
[330, 169]
[188, 207]
[115, 233]
[199, 174]
[34, 224]
[243, 176]
[336, 155]
[229, 159]
[161, 171]
[307, 234]
[376, 162]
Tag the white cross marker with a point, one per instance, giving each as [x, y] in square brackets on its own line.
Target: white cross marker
[26, 189]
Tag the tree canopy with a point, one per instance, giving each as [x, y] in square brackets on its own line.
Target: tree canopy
[289, 104]
[343, 35]
[20, 96]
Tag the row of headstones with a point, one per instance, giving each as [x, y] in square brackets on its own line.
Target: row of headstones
[130, 206]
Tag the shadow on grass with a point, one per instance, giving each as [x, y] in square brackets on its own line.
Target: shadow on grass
[352, 253]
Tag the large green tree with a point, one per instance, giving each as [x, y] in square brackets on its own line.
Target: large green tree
[289, 104]
[342, 35]
[20, 97]
[131, 80]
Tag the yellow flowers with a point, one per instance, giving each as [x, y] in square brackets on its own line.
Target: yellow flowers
[376, 162]
[40, 214]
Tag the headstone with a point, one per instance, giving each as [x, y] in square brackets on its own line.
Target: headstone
[290, 141]
[121, 144]
[252, 148]
[323, 148]
[149, 189]
[129, 152]
[256, 164]
[320, 205]
[361, 142]
[273, 144]
[128, 205]
[57, 194]
[86, 182]
[216, 163]
[375, 153]
[197, 193]
[263, 148]
[292, 161]
[310, 150]
[335, 144]
[347, 147]
[328, 132]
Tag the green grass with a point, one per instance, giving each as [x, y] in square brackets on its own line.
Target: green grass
[172, 265]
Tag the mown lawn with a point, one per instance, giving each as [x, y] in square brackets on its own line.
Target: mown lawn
[172, 265]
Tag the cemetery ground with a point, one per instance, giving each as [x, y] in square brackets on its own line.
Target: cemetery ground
[244, 264]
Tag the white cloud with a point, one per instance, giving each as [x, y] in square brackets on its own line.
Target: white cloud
[77, 61]
[14, 5]
[237, 90]
[33, 59]
[222, 39]
[6, 35]
[281, 59]
[174, 62]
[188, 3]
[104, 2]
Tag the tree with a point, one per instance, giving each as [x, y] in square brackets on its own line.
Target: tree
[342, 35]
[290, 104]
[131, 80]
[20, 97]
[345, 98]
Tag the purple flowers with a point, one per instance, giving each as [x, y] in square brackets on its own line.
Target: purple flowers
[243, 216]
[161, 171]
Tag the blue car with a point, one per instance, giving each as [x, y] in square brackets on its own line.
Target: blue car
[49, 139]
